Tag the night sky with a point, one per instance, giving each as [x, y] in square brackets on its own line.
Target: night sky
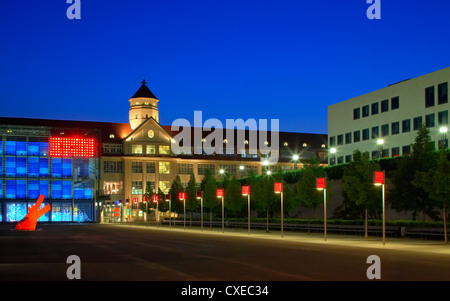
[286, 60]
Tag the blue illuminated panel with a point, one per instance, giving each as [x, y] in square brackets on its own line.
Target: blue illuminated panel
[43, 149]
[33, 167]
[10, 166]
[21, 189]
[33, 189]
[33, 148]
[16, 211]
[66, 167]
[43, 188]
[56, 190]
[10, 189]
[61, 212]
[10, 147]
[43, 167]
[56, 167]
[21, 148]
[21, 167]
[66, 189]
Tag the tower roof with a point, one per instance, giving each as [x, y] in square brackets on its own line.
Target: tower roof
[144, 91]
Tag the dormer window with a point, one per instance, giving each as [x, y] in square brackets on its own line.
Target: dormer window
[111, 136]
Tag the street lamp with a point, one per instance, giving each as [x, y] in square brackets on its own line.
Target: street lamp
[220, 195]
[295, 158]
[278, 188]
[333, 151]
[182, 197]
[155, 199]
[380, 147]
[320, 185]
[170, 210]
[379, 181]
[246, 192]
[200, 196]
[443, 130]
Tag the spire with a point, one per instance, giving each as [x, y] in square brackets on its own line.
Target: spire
[144, 91]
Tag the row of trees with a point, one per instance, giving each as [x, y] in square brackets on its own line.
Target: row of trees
[419, 183]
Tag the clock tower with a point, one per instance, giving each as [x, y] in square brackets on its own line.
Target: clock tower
[143, 105]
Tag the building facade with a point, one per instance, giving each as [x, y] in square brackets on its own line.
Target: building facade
[384, 122]
[86, 168]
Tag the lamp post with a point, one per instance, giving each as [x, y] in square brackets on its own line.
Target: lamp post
[155, 199]
[278, 188]
[379, 181]
[380, 148]
[220, 195]
[333, 151]
[321, 186]
[246, 192]
[170, 210]
[443, 130]
[200, 196]
[295, 158]
[182, 197]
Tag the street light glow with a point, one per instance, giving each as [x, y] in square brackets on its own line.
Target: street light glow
[380, 141]
[333, 150]
[295, 157]
[443, 129]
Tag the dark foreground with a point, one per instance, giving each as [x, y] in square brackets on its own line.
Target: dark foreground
[124, 253]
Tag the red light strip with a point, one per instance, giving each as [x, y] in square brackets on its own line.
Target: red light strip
[71, 147]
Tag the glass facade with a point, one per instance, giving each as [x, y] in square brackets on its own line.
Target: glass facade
[27, 171]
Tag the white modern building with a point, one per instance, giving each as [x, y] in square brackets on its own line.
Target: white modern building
[385, 122]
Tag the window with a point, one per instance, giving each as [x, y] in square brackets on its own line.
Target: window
[406, 150]
[164, 186]
[151, 167]
[442, 93]
[417, 122]
[150, 186]
[136, 149]
[136, 167]
[429, 120]
[395, 128]
[113, 167]
[184, 168]
[136, 187]
[429, 97]
[385, 130]
[356, 113]
[385, 105]
[375, 132]
[395, 103]
[164, 167]
[340, 159]
[340, 139]
[395, 151]
[112, 187]
[356, 136]
[443, 118]
[332, 141]
[406, 126]
[203, 167]
[365, 134]
[365, 111]
[164, 150]
[348, 158]
[150, 150]
[375, 108]
[348, 138]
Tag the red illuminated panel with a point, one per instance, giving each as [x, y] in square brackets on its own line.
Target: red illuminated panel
[155, 198]
[278, 187]
[320, 183]
[379, 177]
[181, 196]
[71, 147]
[219, 193]
[245, 190]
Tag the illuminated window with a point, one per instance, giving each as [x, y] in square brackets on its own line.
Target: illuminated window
[136, 187]
[112, 187]
[71, 147]
[111, 136]
[136, 167]
[164, 186]
[164, 167]
[164, 150]
[150, 149]
[136, 149]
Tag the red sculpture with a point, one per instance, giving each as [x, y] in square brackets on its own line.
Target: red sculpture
[34, 213]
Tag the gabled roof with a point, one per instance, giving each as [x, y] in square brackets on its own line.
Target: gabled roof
[144, 91]
[150, 119]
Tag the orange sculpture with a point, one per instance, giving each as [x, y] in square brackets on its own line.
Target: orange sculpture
[34, 213]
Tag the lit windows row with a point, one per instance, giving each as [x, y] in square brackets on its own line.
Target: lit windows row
[20, 148]
[376, 107]
[137, 187]
[138, 149]
[393, 128]
[54, 189]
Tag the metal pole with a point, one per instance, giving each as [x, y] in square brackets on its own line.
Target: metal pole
[201, 205]
[282, 214]
[384, 215]
[170, 214]
[184, 214]
[223, 227]
[325, 212]
[249, 214]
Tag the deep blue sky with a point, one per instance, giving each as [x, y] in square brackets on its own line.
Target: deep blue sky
[285, 60]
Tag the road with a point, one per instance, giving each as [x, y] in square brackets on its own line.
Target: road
[126, 253]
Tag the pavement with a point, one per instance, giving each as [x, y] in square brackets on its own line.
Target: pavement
[391, 243]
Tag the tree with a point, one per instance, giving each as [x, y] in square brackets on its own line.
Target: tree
[436, 183]
[264, 196]
[174, 190]
[209, 187]
[233, 196]
[406, 196]
[358, 186]
[191, 194]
